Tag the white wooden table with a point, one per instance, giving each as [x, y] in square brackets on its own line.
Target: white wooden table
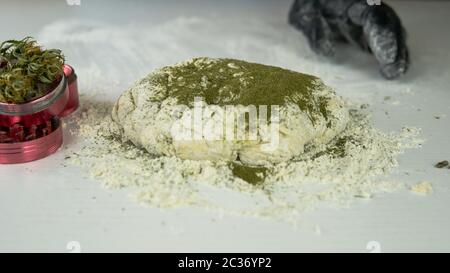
[44, 205]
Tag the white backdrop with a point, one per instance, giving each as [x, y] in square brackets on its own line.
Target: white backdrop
[45, 205]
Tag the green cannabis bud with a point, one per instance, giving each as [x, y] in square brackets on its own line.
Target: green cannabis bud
[27, 71]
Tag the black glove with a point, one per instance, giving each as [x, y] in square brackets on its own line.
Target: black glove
[374, 28]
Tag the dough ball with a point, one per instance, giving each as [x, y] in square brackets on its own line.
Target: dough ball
[213, 109]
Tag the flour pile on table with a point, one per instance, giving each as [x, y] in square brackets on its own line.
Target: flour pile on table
[355, 165]
[341, 173]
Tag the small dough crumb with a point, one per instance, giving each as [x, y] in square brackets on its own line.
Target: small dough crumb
[424, 187]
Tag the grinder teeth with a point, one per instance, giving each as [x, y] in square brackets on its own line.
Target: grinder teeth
[19, 133]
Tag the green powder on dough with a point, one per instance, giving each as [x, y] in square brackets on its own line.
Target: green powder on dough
[252, 175]
[235, 82]
[225, 82]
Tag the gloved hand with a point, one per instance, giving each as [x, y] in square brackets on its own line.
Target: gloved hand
[374, 28]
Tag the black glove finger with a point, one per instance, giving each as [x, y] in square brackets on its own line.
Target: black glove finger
[307, 18]
[386, 39]
[399, 66]
[383, 43]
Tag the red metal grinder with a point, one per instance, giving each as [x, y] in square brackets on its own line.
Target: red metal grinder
[33, 130]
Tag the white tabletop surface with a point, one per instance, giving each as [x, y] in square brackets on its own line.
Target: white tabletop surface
[45, 205]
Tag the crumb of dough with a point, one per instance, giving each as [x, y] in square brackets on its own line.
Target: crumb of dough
[424, 187]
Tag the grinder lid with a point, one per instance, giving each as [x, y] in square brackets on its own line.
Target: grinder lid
[55, 100]
[33, 130]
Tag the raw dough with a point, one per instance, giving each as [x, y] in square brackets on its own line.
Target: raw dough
[310, 113]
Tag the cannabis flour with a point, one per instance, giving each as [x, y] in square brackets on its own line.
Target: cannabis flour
[229, 110]
[352, 165]
[355, 164]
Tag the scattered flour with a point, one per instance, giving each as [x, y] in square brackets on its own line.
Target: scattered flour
[121, 54]
[424, 187]
[331, 177]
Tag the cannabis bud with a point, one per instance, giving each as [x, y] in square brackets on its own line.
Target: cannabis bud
[27, 71]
